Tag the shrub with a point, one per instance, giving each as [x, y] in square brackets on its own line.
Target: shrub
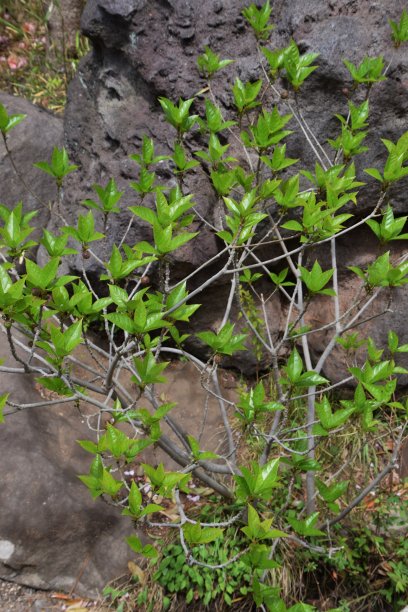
[281, 472]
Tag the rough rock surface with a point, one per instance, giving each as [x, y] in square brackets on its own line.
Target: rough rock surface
[52, 534]
[146, 49]
[31, 141]
[387, 311]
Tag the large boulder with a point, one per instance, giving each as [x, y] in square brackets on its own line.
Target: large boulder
[53, 535]
[143, 50]
[386, 312]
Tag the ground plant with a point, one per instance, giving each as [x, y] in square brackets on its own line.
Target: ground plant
[280, 518]
[31, 64]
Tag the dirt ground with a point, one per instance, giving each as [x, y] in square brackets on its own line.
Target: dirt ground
[18, 598]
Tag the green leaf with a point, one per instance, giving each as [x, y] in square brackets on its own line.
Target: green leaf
[294, 366]
[374, 173]
[257, 482]
[121, 320]
[258, 19]
[224, 341]
[267, 131]
[109, 484]
[245, 95]
[59, 166]
[8, 122]
[209, 63]
[297, 67]
[72, 336]
[195, 534]
[148, 157]
[85, 230]
[55, 384]
[42, 277]
[146, 550]
[92, 483]
[368, 72]
[178, 116]
[311, 379]
[316, 279]
[3, 400]
[400, 29]
[96, 468]
[108, 196]
[293, 225]
[149, 370]
[114, 441]
[332, 492]
[260, 530]
[135, 500]
[329, 419]
[214, 121]
[88, 446]
[145, 184]
[302, 607]
[306, 527]
[274, 58]
[389, 228]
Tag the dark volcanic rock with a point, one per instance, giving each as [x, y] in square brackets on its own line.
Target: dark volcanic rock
[143, 50]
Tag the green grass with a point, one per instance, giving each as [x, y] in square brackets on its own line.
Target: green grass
[27, 67]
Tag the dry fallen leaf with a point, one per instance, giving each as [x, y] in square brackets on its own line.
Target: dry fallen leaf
[173, 516]
[72, 603]
[137, 571]
[370, 504]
